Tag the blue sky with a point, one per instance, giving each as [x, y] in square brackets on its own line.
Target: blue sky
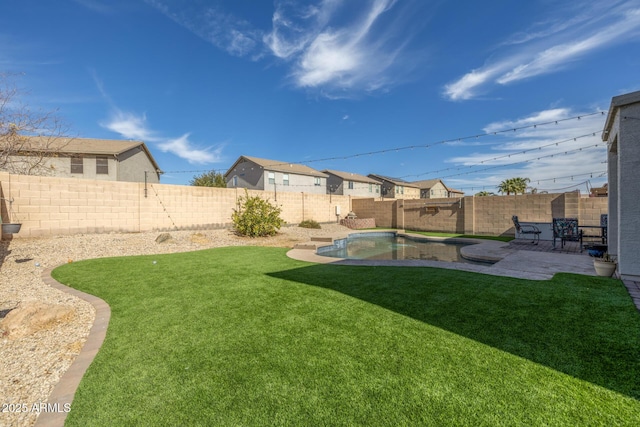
[412, 89]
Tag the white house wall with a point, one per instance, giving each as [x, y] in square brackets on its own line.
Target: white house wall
[624, 190]
[297, 183]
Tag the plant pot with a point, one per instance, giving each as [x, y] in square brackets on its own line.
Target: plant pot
[604, 268]
[10, 228]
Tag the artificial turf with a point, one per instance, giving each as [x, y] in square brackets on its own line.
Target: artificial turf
[247, 336]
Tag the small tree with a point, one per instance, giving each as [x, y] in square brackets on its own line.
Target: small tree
[28, 139]
[256, 217]
[209, 179]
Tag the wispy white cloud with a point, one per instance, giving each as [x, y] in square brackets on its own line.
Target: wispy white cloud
[327, 45]
[539, 52]
[224, 30]
[363, 54]
[133, 126]
[130, 126]
[533, 153]
[184, 148]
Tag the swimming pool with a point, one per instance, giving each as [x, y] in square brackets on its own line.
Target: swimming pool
[390, 246]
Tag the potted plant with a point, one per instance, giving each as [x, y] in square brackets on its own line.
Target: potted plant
[9, 227]
[605, 265]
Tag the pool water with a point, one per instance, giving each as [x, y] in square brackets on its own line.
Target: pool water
[389, 246]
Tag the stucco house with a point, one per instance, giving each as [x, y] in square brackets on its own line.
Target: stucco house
[436, 189]
[622, 135]
[396, 188]
[100, 159]
[255, 173]
[351, 184]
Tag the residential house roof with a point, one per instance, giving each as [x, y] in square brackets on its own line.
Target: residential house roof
[72, 146]
[349, 176]
[394, 181]
[278, 166]
[427, 184]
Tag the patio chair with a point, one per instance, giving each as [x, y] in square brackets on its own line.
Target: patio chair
[527, 229]
[566, 229]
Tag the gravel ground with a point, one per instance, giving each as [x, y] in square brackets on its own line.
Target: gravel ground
[31, 365]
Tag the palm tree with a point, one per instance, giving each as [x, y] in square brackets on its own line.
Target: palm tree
[513, 185]
[521, 184]
[506, 186]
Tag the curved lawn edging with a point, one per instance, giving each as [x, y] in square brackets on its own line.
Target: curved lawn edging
[65, 390]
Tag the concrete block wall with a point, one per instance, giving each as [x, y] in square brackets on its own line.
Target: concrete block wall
[441, 215]
[591, 208]
[489, 215]
[383, 211]
[492, 214]
[49, 206]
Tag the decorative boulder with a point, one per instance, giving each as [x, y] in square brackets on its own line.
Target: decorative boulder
[163, 237]
[32, 317]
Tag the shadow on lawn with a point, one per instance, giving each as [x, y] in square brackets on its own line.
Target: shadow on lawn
[589, 332]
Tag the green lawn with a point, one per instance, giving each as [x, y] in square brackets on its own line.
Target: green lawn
[246, 336]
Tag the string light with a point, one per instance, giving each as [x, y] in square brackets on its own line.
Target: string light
[515, 163]
[430, 145]
[501, 157]
[452, 140]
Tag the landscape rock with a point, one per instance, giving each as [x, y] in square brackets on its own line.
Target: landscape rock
[199, 239]
[163, 237]
[32, 317]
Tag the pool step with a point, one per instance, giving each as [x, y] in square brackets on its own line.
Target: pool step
[310, 246]
[322, 239]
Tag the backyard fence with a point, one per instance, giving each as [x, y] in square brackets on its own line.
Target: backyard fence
[47, 206]
[488, 215]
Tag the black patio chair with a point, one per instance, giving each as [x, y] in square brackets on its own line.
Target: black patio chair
[527, 229]
[567, 230]
[604, 223]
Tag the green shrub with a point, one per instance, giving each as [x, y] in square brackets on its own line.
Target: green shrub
[256, 217]
[309, 223]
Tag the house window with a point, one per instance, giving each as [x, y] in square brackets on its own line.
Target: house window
[377, 188]
[77, 165]
[316, 181]
[234, 180]
[272, 177]
[350, 185]
[285, 179]
[432, 192]
[102, 166]
[370, 188]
